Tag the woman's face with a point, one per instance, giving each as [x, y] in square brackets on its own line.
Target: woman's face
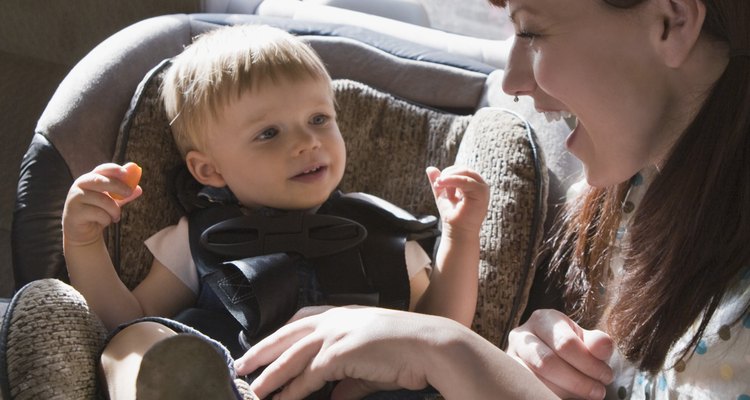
[599, 64]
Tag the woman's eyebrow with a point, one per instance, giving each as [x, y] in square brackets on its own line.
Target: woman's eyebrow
[521, 9]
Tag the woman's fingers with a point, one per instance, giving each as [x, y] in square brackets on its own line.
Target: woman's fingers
[557, 350]
[346, 342]
[291, 370]
[567, 342]
[600, 345]
[272, 346]
[562, 377]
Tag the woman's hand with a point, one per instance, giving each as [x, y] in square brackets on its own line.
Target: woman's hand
[570, 360]
[375, 348]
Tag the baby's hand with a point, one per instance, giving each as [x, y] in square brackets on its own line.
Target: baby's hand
[462, 197]
[94, 201]
[131, 178]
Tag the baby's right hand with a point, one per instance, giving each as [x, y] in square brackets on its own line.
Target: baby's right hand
[95, 199]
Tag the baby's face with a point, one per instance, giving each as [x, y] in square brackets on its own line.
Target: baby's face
[279, 145]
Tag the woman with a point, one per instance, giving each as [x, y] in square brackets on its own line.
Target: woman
[652, 254]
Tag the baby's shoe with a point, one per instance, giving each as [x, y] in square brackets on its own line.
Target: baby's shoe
[186, 367]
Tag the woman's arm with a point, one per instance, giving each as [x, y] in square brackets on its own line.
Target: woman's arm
[385, 349]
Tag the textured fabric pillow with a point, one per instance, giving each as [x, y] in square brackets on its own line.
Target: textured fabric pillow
[502, 147]
[390, 142]
[146, 139]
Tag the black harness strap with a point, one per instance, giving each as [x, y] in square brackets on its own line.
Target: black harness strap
[251, 263]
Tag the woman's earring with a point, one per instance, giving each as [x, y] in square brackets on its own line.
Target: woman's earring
[515, 99]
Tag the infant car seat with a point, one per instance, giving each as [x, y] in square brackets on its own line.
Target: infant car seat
[401, 108]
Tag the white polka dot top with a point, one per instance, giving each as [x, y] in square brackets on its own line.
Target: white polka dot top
[720, 366]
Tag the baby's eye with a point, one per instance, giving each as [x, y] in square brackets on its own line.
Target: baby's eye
[319, 119]
[268, 134]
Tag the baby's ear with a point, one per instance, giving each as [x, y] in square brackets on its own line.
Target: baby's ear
[203, 170]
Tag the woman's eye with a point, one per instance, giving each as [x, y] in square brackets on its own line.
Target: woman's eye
[268, 134]
[526, 35]
[319, 119]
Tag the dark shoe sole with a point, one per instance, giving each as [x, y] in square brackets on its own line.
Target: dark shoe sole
[184, 367]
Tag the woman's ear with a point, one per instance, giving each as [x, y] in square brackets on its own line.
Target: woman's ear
[682, 22]
[203, 170]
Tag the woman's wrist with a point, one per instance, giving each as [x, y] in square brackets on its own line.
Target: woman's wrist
[446, 358]
[463, 365]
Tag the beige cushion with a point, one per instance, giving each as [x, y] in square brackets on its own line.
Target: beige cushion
[502, 147]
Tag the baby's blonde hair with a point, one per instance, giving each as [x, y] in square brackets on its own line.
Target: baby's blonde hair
[221, 65]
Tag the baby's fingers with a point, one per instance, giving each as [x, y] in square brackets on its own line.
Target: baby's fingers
[85, 204]
[99, 215]
[131, 178]
[468, 186]
[109, 181]
[461, 170]
[459, 177]
[434, 175]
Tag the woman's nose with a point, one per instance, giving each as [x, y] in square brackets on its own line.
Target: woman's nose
[519, 78]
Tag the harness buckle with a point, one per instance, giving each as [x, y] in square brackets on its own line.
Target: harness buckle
[311, 235]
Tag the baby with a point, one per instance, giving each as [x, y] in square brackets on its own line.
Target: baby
[253, 114]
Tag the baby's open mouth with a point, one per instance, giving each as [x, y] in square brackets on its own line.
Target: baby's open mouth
[311, 171]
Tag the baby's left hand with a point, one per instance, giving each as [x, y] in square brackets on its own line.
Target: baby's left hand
[462, 197]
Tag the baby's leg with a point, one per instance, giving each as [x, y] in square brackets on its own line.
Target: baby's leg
[122, 356]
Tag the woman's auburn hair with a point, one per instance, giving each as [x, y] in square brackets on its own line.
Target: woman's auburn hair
[688, 239]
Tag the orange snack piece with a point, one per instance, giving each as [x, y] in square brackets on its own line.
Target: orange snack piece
[131, 179]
